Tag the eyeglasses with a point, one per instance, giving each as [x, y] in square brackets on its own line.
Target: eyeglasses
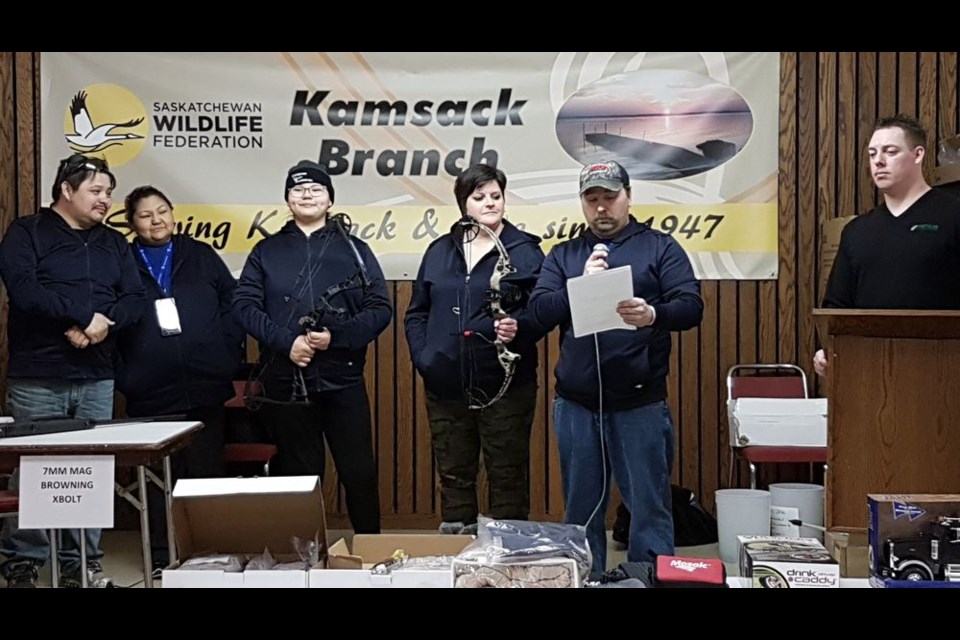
[314, 190]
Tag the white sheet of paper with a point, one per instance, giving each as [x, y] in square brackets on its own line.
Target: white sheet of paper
[780, 518]
[594, 299]
[61, 492]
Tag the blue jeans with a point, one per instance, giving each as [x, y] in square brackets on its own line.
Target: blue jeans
[638, 448]
[34, 397]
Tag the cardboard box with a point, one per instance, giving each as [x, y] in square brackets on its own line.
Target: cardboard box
[513, 575]
[914, 537]
[778, 422]
[353, 567]
[244, 516]
[830, 231]
[849, 548]
[945, 174]
[777, 562]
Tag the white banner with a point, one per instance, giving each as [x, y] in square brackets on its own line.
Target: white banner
[697, 131]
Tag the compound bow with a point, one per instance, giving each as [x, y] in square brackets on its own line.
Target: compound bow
[493, 300]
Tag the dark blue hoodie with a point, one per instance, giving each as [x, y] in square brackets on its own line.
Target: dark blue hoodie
[634, 363]
[446, 302]
[168, 374]
[283, 279]
[58, 277]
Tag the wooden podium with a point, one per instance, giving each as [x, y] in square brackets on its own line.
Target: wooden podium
[894, 398]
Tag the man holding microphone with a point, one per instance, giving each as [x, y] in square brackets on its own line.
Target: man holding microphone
[610, 413]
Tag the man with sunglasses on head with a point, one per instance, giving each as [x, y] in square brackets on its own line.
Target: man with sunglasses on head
[72, 283]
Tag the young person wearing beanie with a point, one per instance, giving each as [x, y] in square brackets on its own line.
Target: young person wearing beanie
[312, 381]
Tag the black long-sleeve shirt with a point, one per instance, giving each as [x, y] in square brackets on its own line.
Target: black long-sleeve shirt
[59, 277]
[910, 261]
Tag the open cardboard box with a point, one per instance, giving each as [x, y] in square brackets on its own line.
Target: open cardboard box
[848, 546]
[350, 566]
[244, 516]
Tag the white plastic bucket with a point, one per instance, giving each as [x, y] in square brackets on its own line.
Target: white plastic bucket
[807, 498]
[741, 512]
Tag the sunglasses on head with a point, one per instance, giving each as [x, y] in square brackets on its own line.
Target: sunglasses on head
[78, 164]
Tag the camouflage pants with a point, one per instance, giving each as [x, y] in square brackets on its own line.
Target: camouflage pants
[502, 433]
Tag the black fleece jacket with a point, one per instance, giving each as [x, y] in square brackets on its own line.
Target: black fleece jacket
[284, 278]
[195, 368]
[634, 364]
[58, 277]
[447, 302]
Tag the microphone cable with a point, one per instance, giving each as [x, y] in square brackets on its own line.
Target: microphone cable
[603, 438]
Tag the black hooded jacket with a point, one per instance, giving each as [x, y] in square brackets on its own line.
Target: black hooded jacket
[195, 368]
[284, 278]
[447, 302]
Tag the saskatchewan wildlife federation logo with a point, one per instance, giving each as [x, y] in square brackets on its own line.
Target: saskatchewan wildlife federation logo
[106, 120]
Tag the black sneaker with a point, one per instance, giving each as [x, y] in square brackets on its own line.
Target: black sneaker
[96, 578]
[70, 578]
[21, 575]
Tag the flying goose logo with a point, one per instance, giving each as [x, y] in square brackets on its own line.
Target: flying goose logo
[108, 120]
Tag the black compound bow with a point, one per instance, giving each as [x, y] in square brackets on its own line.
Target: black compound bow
[493, 299]
[313, 321]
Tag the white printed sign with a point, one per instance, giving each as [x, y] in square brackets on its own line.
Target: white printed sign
[780, 524]
[66, 492]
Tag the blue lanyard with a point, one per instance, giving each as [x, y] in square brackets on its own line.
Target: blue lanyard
[158, 277]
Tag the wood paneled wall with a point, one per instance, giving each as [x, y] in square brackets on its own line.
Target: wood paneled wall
[828, 104]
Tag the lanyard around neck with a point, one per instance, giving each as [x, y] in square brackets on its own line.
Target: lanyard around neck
[158, 277]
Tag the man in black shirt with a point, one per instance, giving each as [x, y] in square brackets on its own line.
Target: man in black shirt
[73, 284]
[905, 253]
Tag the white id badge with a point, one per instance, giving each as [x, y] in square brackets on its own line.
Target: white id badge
[167, 316]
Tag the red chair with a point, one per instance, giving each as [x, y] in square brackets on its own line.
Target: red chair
[9, 503]
[243, 455]
[769, 381]
[9, 499]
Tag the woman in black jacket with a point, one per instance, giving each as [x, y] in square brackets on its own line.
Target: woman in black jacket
[181, 357]
[315, 298]
[470, 340]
